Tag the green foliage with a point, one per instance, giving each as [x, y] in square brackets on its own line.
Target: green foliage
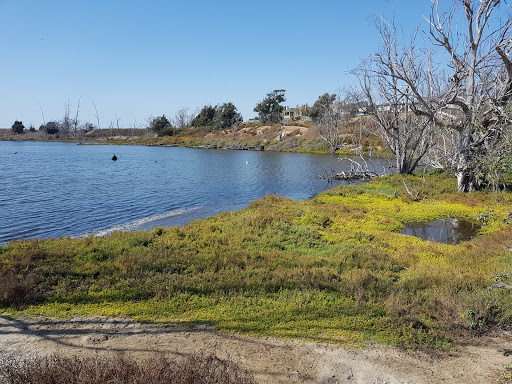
[205, 117]
[218, 117]
[331, 269]
[88, 127]
[226, 116]
[488, 215]
[18, 127]
[168, 131]
[159, 124]
[325, 101]
[505, 374]
[51, 128]
[270, 109]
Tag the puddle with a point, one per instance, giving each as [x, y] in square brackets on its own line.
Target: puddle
[448, 231]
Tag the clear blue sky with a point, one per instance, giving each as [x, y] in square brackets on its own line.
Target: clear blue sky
[137, 59]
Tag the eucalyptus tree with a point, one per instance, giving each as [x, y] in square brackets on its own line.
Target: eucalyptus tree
[205, 117]
[218, 117]
[158, 124]
[324, 101]
[270, 109]
[226, 116]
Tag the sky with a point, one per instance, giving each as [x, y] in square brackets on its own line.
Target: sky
[136, 59]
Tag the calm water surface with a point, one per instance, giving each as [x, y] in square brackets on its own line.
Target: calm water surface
[448, 231]
[65, 189]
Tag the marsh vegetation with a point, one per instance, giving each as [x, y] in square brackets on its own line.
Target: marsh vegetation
[334, 268]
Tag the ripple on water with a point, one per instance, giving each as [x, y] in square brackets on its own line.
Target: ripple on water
[64, 189]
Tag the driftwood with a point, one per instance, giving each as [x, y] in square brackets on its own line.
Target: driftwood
[348, 176]
[357, 171]
[502, 286]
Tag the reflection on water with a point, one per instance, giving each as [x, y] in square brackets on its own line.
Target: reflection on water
[448, 231]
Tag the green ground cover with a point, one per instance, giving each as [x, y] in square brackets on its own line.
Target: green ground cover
[332, 269]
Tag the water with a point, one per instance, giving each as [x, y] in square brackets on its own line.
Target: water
[448, 231]
[65, 189]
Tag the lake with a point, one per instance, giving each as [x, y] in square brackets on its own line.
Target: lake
[65, 189]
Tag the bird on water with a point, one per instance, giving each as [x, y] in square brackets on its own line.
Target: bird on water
[114, 157]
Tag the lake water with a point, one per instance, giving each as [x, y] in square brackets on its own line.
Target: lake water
[448, 231]
[65, 189]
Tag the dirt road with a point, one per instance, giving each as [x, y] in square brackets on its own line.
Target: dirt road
[271, 360]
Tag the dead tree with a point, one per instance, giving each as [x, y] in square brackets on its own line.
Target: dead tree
[75, 121]
[471, 102]
[96, 114]
[182, 118]
[117, 125]
[391, 84]
[135, 126]
[330, 119]
[475, 104]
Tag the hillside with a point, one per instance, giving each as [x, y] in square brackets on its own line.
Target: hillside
[299, 136]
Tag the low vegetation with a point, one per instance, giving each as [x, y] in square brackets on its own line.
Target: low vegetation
[331, 269]
[100, 370]
[299, 136]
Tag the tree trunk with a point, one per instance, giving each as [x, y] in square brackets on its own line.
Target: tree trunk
[465, 175]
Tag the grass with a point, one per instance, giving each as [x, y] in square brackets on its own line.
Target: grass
[331, 269]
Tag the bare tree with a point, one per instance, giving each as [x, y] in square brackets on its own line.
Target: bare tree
[135, 126]
[118, 119]
[475, 103]
[42, 113]
[65, 124]
[394, 84]
[148, 131]
[466, 93]
[96, 114]
[75, 121]
[329, 118]
[182, 118]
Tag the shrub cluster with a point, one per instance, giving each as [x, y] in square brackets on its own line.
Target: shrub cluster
[100, 370]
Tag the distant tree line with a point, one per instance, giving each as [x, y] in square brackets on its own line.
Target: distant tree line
[218, 117]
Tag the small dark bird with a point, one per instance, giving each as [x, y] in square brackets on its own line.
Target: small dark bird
[114, 157]
[15, 153]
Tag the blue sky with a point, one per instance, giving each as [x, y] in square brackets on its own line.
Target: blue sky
[136, 59]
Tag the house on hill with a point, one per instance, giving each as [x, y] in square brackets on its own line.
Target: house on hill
[295, 113]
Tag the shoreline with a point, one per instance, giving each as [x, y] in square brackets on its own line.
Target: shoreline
[312, 185]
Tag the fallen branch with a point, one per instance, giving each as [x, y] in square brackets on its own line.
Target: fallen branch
[349, 176]
[357, 171]
[501, 286]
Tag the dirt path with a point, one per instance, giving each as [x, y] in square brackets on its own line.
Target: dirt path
[271, 360]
